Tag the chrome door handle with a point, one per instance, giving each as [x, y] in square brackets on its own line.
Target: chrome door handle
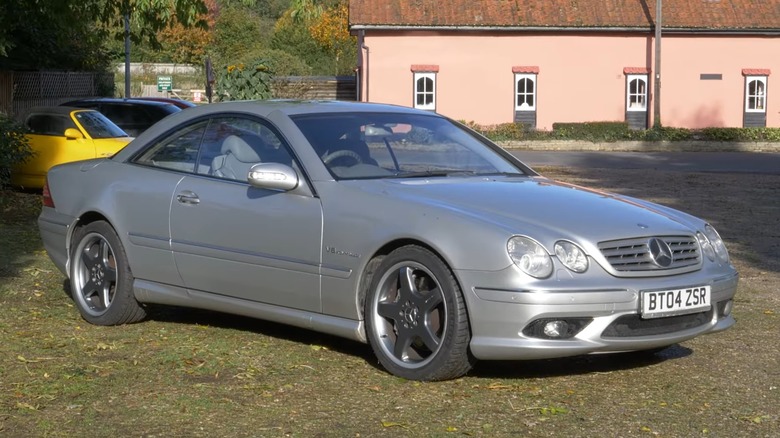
[188, 197]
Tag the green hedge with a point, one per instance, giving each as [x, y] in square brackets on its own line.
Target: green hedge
[14, 147]
[619, 131]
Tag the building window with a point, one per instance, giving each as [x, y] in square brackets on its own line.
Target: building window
[425, 90]
[525, 92]
[636, 92]
[755, 94]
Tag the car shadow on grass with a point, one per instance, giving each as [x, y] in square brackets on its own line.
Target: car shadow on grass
[577, 365]
[570, 366]
[519, 369]
[191, 316]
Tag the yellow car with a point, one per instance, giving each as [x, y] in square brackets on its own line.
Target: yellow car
[61, 134]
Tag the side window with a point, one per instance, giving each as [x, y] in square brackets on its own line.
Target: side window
[525, 91]
[232, 145]
[754, 109]
[49, 124]
[755, 94]
[525, 95]
[636, 93]
[177, 152]
[425, 90]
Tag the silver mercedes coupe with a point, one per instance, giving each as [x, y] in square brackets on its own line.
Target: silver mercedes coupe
[385, 225]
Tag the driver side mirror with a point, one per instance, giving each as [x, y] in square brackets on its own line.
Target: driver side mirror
[73, 134]
[274, 176]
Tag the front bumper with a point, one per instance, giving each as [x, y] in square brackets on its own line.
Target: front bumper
[499, 315]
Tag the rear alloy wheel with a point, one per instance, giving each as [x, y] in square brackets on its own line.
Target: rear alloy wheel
[100, 277]
[416, 319]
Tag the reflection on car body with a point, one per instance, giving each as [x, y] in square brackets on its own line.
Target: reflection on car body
[381, 224]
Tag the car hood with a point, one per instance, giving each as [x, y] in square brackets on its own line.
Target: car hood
[542, 208]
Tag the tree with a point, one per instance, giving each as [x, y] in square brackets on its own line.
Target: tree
[48, 33]
[72, 34]
[149, 16]
[294, 38]
[331, 31]
[303, 11]
[188, 45]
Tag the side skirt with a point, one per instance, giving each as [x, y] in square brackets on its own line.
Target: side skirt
[155, 293]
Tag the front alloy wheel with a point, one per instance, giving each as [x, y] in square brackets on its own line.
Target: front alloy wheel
[416, 319]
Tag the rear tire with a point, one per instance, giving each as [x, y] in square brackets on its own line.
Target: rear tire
[416, 318]
[100, 277]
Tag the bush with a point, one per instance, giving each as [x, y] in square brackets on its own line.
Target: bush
[619, 131]
[244, 82]
[592, 131]
[14, 147]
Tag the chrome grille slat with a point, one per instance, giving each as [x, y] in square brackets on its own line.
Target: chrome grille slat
[633, 255]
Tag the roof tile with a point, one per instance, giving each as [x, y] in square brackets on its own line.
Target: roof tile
[680, 14]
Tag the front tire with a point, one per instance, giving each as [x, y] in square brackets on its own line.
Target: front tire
[100, 277]
[416, 318]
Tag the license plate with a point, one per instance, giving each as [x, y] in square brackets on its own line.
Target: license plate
[657, 304]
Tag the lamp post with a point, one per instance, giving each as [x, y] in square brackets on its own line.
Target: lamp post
[657, 81]
[127, 53]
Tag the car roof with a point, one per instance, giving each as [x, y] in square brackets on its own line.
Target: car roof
[54, 110]
[118, 100]
[181, 103]
[299, 107]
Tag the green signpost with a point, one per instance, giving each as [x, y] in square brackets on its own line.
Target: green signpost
[164, 83]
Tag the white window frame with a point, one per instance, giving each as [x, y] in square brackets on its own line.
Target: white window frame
[630, 78]
[760, 96]
[432, 92]
[525, 106]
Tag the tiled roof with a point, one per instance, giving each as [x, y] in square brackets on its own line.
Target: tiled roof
[677, 14]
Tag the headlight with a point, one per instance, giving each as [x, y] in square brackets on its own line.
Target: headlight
[712, 245]
[530, 257]
[572, 256]
[706, 248]
[717, 243]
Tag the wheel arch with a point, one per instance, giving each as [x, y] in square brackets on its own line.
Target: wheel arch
[82, 221]
[369, 270]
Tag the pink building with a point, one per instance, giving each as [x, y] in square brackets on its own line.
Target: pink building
[542, 62]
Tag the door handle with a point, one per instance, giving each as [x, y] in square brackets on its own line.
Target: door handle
[188, 197]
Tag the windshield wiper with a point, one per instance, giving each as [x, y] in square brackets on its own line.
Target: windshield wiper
[501, 174]
[429, 173]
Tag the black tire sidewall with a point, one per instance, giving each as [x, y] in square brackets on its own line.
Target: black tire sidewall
[453, 358]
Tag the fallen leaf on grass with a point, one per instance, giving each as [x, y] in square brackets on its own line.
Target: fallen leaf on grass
[21, 405]
[393, 424]
[495, 386]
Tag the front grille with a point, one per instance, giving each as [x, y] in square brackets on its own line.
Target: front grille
[633, 255]
[634, 325]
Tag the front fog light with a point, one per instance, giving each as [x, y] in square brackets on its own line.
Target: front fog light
[556, 329]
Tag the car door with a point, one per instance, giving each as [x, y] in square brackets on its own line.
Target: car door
[48, 142]
[232, 239]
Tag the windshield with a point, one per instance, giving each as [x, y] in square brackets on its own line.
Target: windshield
[398, 145]
[98, 126]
